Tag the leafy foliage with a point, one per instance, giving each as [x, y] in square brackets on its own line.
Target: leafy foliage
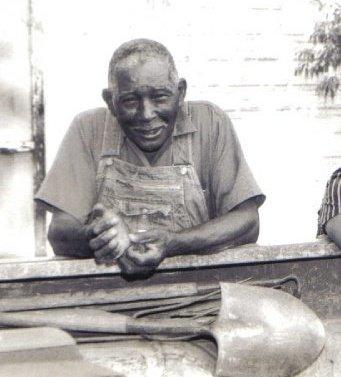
[324, 58]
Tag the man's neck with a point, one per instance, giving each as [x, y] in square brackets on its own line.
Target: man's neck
[153, 156]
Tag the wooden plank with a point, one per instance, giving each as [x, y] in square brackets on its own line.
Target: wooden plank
[33, 338]
[49, 268]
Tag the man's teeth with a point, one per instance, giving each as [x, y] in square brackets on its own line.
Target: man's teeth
[151, 132]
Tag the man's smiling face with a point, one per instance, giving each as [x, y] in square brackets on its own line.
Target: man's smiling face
[146, 100]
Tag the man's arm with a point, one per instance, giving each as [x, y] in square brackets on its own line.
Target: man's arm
[68, 236]
[105, 238]
[333, 229]
[237, 227]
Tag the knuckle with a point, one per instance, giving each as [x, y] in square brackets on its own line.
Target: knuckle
[109, 262]
[112, 233]
[142, 261]
[93, 244]
[98, 255]
[112, 244]
[97, 207]
[127, 269]
[102, 252]
[99, 261]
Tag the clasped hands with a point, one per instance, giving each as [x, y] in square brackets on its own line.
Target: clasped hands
[136, 253]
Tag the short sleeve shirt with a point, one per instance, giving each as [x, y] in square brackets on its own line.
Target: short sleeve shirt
[218, 159]
[331, 202]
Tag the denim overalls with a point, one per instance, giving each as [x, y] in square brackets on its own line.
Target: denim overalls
[148, 197]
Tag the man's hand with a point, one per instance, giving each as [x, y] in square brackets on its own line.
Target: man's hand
[156, 242]
[130, 269]
[108, 234]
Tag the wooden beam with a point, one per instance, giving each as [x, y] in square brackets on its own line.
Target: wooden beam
[248, 254]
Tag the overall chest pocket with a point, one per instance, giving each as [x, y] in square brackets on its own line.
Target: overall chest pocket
[144, 216]
[149, 192]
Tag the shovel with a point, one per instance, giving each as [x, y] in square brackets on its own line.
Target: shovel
[260, 332]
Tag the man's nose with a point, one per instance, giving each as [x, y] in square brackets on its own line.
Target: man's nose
[147, 110]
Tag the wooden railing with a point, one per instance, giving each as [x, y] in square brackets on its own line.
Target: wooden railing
[14, 269]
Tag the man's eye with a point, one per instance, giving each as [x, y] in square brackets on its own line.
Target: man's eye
[159, 97]
[129, 101]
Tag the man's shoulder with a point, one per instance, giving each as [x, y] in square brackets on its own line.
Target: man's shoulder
[205, 106]
[91, 118]
[209, 118]
[90, 126]
[205, 112]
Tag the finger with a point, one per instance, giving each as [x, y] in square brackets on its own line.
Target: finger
[149, 258]
[98, 210]
[104, 224]
[101, 261]
[142, 237]
[89, 234]
[106, 261]
[103, 238]
[126, 267]
[108, 249]
[110, 262]
[130, 269]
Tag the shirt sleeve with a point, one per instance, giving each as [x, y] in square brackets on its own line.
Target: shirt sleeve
[232, 180]
[70, 184]
[331, 202]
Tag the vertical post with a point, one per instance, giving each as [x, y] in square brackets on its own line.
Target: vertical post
[35, 32]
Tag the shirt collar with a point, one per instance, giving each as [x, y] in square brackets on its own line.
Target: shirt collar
[114, 135]
[183, 123]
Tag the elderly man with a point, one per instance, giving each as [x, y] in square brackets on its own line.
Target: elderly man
[150, 176]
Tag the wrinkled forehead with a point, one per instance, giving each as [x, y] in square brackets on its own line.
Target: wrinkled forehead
[139, 71]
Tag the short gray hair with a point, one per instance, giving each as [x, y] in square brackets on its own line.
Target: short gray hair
[145, 48]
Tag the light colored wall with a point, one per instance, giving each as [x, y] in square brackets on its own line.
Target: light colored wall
[237, 54]
[16, 171]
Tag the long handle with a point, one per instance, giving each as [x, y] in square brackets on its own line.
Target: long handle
[95, 320]
[68, 319]
[119, 295]
[103, 296]
[172, 327]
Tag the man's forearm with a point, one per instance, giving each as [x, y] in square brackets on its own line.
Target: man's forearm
[238, 227]
[67, 236]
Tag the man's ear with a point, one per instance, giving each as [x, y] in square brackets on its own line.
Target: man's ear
[107, 96]
[182, 87]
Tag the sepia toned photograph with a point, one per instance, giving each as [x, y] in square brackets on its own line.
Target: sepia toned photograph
[170, 188]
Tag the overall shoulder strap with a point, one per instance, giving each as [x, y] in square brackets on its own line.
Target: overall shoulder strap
[112, 138]
[182, 151]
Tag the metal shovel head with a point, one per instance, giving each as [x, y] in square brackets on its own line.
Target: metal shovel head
[263, 332]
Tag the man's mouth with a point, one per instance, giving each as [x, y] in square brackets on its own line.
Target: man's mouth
[149, 134]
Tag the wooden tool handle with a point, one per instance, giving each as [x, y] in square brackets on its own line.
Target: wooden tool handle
[173, 327]
[68, 319]
[95, 320]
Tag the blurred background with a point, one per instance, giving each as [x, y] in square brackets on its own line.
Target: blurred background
[240, 55]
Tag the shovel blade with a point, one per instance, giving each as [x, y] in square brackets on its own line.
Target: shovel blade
[263, 332]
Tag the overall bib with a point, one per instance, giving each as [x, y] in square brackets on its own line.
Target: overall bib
[147, 197]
